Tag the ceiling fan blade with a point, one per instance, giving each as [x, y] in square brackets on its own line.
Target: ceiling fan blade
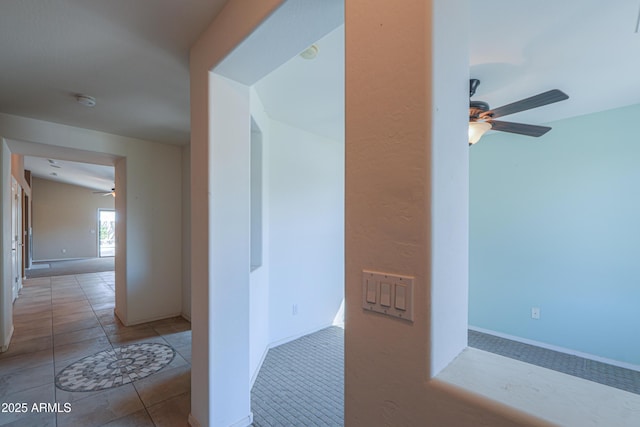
[519, 128]
[545, 98]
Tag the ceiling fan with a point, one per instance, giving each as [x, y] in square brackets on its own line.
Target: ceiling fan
[481, 117]
[106, 193]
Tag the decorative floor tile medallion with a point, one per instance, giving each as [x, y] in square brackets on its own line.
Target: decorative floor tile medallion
[113, 368]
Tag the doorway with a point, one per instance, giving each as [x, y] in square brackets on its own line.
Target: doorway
[107, 233]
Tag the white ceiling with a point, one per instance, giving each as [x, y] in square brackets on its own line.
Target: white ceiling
[133, 57]
[587, 48]
[96, 177]
[309, 93]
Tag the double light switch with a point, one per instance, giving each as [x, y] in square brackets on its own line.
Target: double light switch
[388, 294]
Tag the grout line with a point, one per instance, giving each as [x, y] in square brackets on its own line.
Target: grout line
[98, 283]
[535, 355]
[53, 347]
[144, 405]
[133, 383]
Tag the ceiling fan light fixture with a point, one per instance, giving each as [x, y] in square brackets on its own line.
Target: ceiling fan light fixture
[476, 130]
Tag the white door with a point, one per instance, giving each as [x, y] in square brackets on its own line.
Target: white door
[16, 237]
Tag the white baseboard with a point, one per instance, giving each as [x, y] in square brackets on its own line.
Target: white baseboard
[572, 352]
[193, 422]
[299, 335]
[244, 422]
[273, 344]
[152, 319]
[120, 318]
[5, 347]
[254, 376]
[61, 259]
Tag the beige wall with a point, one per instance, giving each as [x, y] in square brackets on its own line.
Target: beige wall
[65, 220]
[149, 183]
[17, 171]
[186, 233]
[6, 288]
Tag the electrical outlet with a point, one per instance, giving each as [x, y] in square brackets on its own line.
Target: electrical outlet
[535, 312]
[294, 309]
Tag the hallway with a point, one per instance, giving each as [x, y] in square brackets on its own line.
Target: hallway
[61, 320]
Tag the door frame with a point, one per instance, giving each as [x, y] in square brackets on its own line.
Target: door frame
[16, 238]
[100, 210]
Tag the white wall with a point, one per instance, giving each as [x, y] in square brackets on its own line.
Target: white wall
[306, 225]
[153, 257]
[231, 26]
[154, 232]
[6, 288]
[303, 235]
[259, 338]
[449, 184]
[65, 217]
[121, 238]
[186, 232]
[406, 177]
[229, 250]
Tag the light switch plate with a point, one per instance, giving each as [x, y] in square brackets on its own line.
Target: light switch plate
[400, 289]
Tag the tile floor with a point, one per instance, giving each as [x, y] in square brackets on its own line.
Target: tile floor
[301, 383]
[65, 320]
[609, 375]
[61, 320]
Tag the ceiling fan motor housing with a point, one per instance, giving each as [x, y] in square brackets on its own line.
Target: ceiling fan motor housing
[476, 108]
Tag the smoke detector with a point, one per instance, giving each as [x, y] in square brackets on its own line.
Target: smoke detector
[86, 100]
[310, 53]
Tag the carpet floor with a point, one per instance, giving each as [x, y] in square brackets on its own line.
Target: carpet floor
[70, 267]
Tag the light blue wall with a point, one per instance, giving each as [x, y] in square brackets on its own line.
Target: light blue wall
[555, 224]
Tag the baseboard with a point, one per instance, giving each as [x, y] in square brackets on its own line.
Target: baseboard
[300, 335]
[62, 259]
[254, 376]
[152, 319]
[120, 318]
[244, 422]
[193, 422]
[273, 344]
[558, 349]
[5, 347]
[186, 317]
